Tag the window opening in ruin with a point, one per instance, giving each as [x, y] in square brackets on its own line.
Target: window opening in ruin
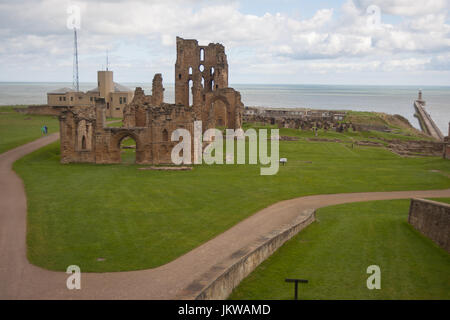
[165, 135]
[190, 71]
[212, 71]
[203, 82]
[83, 143]
[179, 76]
[202, 55]
[201, 68]
[190, 93]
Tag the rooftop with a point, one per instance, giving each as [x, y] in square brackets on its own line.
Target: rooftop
[61, 91]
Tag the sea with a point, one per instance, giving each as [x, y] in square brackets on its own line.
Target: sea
[387, 99]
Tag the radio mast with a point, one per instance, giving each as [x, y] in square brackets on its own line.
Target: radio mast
[75, 81]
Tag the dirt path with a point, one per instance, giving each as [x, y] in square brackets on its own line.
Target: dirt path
[21, 280]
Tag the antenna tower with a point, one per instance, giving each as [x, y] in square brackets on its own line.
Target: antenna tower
[75, 81]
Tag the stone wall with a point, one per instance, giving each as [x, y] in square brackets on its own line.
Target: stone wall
[222, 283]
[85, 138]
[432, 219]
[204, 67]
[298, 118]
[415, 147]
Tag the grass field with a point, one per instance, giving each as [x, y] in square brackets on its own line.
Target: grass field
[17, 129]
[334, 253]
[138, 219]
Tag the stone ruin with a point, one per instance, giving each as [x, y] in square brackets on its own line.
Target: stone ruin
[201, 93]
[301, 119]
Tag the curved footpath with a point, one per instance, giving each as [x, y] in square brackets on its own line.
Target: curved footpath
[21, 280]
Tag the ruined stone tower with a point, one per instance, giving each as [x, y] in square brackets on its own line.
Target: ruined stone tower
[157, 90]
[198, 67]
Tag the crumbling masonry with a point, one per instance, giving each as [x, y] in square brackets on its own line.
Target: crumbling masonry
[201, 93]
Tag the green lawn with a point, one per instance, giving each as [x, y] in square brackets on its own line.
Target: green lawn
[139, 219]
[334, 253]
[17, 129]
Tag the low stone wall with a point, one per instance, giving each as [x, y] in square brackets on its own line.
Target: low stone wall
[432, 219]
[230, 277]
[416, 147]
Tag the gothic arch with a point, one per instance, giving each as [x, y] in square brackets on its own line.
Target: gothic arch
[117, 139]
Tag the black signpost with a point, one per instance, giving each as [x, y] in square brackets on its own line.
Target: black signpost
[296, 281]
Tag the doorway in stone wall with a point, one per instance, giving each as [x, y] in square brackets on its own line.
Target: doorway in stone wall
[128, 150]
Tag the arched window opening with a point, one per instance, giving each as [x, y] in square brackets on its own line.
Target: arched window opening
[190, 71]
[165, 135]
[191, 99]
[83, 143]
[201, 68]
[212, 71]
[212, 85]
[203, 82]
[202, 54]
[179, 76]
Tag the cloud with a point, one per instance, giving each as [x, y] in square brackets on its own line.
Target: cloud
[141, 34]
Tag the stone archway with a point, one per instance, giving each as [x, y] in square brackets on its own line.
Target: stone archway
[116, 146]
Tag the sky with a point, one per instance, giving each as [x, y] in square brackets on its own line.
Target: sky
[372, 42]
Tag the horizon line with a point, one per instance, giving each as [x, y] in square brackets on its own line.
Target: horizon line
[260, 84]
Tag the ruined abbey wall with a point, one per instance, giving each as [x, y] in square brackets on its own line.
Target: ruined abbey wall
[85, 138]
[198, 67]
[201, 71]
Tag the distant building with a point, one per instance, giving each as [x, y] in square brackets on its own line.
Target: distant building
[116, 95]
